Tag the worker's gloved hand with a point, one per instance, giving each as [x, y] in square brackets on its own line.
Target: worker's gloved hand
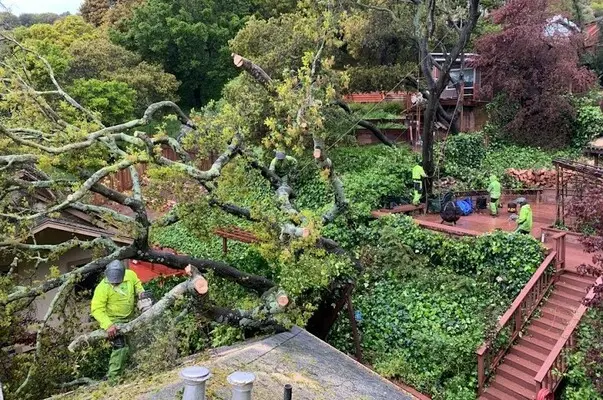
[145, 301]
[513, 217]
[112, 331]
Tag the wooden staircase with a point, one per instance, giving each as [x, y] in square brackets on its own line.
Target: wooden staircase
[515, 376]
[526, 356]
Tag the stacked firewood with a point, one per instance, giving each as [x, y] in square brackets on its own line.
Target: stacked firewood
[536, 178]
[444, 184]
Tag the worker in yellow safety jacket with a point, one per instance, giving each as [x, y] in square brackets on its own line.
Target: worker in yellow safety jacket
[113, 303]
[525, 220]
[495, 191]
[283, 166]
[418, 174]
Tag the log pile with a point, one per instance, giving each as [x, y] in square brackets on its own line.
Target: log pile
[445, 184]
[537, 178]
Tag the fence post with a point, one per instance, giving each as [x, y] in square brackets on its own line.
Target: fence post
[481, 376]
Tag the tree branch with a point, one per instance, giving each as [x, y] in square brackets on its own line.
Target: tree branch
[179, 261]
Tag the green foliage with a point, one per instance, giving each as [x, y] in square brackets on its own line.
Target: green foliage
[224, 335]
[243, 256]
[114, 101]
[368, 173]
[189, 38]
[499, 258]
[589, 125]
[378, 78]
[427, 301]
[468, 159]
[583, 378]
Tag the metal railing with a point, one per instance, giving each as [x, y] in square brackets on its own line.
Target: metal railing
[514, 319]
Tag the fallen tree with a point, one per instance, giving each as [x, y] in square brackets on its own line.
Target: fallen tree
[56, 168]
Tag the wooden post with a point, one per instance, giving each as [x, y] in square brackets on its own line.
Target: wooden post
[518, 319]
[224, 245]
[562, 196]
[557, 197]
[481, 376]
[354, 327]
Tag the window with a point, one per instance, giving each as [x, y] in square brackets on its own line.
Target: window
[468, 77]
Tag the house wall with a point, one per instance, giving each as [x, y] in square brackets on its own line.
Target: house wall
[65, 263]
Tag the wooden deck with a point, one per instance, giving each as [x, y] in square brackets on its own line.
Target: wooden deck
[404, 209]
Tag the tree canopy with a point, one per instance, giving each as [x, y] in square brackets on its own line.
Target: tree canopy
[536, 75]
[189, 39]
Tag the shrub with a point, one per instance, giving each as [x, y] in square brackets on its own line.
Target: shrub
[427, 301]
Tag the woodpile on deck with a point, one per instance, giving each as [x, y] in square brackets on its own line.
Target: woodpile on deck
[541, 178]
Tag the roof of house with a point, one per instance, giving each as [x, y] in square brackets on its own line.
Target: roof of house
[594, 147]
[313, 368]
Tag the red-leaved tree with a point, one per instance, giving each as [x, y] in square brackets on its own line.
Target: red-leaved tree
[534, 61]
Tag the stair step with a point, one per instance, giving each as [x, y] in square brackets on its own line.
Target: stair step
[541, 345]
[561, 312]
[565, 298]
[530, 354]
[577, 279]
[543, 334]
[513, 374]
[569, 282]
[563, 288]
[549, 325]
[571, 308]
[493, 393]
[512, 389]
[554, 319]
[519, 362]
[556, 316]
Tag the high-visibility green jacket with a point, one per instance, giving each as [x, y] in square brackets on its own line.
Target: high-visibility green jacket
[418, 172]
[111, 304]
[524, 222]
[494, 189]
[283, 167]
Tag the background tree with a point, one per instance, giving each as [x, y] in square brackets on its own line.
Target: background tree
[107, 12]
[445, 28]
[536, 75]
[201, 62]
[78, 52]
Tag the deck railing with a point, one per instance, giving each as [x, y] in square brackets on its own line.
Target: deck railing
[514, 319]
[555, 365]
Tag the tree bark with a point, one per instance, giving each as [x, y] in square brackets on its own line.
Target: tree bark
[180, 261]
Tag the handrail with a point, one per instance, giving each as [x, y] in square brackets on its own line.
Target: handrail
[546, 378]
[517, 315]
[526, 290]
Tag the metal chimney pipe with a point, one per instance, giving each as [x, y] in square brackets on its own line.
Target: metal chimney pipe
[242, 385]
[194, 382]
[288, 392]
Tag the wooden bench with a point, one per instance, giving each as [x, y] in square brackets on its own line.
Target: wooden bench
[234, 233]
[403, 209]
[451, 230]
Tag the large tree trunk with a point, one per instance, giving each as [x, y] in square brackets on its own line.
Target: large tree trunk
[428, 138]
